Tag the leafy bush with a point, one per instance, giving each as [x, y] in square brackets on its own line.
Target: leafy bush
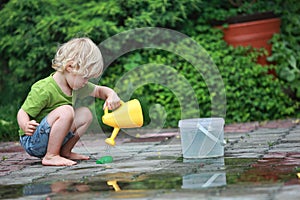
[286, 49]
[8, 123]
[31, 30]
[251, 93]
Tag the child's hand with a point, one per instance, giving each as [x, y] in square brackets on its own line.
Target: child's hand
[112, 102]
[30, 127]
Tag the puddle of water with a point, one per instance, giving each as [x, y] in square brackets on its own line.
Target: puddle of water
[283, 170]
[204, 180]
[126, 183]
[11, 191]
[162, 158]
[264, 171]
[208, 173]
[153, 182]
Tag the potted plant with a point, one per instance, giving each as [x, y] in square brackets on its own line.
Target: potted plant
[286, 49]
[250, 27]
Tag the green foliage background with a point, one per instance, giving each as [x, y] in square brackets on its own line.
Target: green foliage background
[30, 32]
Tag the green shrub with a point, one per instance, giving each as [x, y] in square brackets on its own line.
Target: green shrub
[31, 30]
[286, 49]
[8, 123]
[251, 93]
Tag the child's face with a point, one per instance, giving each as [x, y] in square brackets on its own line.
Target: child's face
[78, 81]
[75, 80]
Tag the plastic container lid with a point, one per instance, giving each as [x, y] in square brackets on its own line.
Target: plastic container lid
[190, 123]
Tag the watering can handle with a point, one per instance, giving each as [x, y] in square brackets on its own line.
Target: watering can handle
[106, 108]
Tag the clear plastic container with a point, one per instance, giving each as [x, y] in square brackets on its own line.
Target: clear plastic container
[202, 137]
[204, 180]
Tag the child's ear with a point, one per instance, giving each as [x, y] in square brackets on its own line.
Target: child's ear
[69, 67]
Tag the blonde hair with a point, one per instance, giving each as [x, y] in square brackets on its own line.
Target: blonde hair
[84, 55]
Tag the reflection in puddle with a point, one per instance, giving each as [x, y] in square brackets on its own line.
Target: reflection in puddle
[273, 168]
[114, 184]
[204, 180]
[283, 168]
[188, 175]
[57, 187]
[10, 191]
[213, 176]
[126, 186]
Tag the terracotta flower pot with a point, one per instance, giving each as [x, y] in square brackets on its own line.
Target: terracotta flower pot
[255, 33]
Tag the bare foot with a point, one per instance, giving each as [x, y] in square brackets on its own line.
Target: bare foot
[76, 156]
[57, 161]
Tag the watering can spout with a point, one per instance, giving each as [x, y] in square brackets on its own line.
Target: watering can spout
[128, 115]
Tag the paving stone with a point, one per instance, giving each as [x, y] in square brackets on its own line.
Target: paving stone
[245, 155]
[135, 161]
[288, 192]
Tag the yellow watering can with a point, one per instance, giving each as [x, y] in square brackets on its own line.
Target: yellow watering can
[128, 115]
[114, 184]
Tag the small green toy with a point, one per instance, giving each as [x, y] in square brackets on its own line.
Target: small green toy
[104, 159]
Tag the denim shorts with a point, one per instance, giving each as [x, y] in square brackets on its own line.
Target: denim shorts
[36, 145]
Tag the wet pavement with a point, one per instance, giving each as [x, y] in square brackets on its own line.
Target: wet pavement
[261, 161]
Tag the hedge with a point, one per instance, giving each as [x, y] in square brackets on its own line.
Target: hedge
[31, 31]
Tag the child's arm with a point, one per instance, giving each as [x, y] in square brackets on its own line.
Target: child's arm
[27, 125]
[112, 100]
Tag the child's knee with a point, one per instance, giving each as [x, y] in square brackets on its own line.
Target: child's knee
[86, 113]
[64, 112]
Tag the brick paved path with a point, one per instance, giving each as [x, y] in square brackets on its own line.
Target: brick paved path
[273, 143]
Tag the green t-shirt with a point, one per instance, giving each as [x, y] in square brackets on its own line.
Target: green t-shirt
[45, 95]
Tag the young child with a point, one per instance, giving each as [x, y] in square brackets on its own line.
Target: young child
[49, 125]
